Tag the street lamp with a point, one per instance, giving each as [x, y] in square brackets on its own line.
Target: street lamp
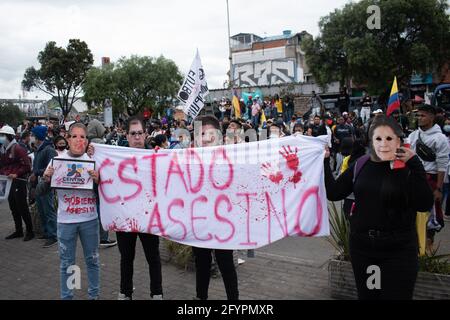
[229, 47]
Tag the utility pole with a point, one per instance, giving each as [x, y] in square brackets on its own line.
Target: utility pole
[229, 47]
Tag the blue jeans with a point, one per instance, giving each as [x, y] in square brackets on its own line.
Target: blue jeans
[46, 208]
[67, 237]
[255, 121]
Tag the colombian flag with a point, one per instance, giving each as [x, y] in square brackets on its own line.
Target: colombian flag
[394, 101]
[236, 105]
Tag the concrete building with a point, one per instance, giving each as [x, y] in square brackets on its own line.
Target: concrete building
[268, 61]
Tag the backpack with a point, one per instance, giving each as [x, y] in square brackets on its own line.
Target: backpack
[359, 165]
[424, 152]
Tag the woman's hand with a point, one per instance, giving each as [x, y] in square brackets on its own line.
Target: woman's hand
[94, 175]
[405, 155]
[90, 151]
[48, 174]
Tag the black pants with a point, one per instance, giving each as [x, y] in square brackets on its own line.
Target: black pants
[224, 258]
[397, 258]
[127, 248]
[18, 204]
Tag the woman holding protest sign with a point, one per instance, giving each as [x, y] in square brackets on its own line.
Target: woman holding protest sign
[210, 136]
[383, 237]
[77, 216]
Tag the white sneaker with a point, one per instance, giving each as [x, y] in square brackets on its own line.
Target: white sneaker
[157, 297]
[122, 296]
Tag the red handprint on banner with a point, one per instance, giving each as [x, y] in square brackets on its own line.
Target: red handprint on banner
[134, 225]
[273, 174]
[291, 157]
[292, 162]
[296, 177]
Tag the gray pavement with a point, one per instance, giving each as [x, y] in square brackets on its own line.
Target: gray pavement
[290, 269]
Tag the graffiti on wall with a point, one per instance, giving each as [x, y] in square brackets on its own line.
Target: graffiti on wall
[265, 73]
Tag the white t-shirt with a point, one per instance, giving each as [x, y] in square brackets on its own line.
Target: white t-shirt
[75, 206]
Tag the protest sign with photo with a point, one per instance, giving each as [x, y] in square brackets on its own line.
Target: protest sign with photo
[72, 174]
[5, 186]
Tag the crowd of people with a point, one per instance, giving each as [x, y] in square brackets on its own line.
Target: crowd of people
[381, 225]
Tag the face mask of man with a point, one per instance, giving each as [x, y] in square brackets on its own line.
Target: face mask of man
[274, 136]
[3, 140]
[447, 128]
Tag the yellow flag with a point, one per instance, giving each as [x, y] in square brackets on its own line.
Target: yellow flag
[263, 118]
[421, 225]
[237, 107]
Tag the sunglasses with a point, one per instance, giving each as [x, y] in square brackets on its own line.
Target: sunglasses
[136, 133]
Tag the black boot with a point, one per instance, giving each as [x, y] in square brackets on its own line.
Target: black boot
[16, 234]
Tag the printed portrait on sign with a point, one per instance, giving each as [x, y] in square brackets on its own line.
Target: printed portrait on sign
[72, 174]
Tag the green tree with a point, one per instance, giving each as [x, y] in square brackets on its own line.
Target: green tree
[413, 37]
[62, 72]
[133, 84]
[99, 85]
[11, 114]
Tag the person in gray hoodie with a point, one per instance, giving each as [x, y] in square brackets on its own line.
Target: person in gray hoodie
[45, 202]
[431, 135]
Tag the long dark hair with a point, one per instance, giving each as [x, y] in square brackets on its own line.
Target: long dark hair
[394, 188]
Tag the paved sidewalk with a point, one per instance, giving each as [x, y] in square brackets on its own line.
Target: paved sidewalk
[28, 271]
[290, 269]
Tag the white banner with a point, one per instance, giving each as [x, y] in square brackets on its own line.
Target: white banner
[194, 89]
[241, 196]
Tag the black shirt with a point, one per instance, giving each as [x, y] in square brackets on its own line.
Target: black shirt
[370, 212]
[318, 130]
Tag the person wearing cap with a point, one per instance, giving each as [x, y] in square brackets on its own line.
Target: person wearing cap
[44, 153]
[234, 133]
[378, 112]
[430, 134]
[15, 164]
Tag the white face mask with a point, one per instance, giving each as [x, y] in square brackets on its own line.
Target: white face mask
[3, 140]
[447, 128]
[274, 136]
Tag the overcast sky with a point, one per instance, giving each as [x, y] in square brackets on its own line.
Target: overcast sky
[173, 28]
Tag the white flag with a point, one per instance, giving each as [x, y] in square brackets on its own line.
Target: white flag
[194, 89]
